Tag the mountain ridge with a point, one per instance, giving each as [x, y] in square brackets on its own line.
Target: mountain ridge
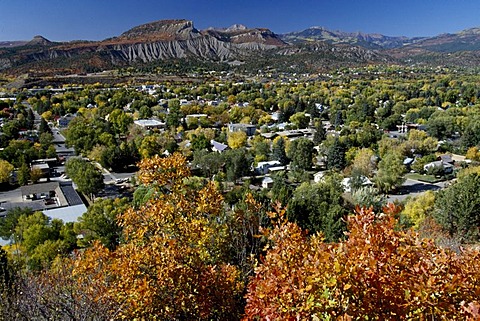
[315, 48]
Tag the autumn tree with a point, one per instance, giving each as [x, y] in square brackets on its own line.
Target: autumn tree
[55, 294]
[419, 208]
[237, 139]
[473, 153]
[378, 273]
[5, 170]
[364, 162]
[390, 171]
[169, 266]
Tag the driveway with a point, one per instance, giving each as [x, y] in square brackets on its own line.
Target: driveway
[414, 188]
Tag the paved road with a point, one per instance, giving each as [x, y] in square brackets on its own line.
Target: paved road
[414, 188]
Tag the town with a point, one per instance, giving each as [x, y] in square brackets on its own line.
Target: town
[375, 141]
[173, 173]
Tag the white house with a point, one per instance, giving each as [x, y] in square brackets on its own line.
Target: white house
[447, 167]
[267, 182]
[149, 123]
[262, 168]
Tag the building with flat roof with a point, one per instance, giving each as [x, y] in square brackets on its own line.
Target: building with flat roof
[149, 123]
[247, 128]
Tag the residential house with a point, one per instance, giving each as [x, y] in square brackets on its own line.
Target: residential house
[247, 128]
[218, 147]
[267, 182]
[347, 183]
[149, 123]
[262, 168]
[64, 121]
[319, 176]
[441, 165]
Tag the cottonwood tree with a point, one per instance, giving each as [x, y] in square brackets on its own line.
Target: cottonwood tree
[390, 171]
[100, 223]
[300, 151]
[87, 177]
[5, 170]
[237, 139]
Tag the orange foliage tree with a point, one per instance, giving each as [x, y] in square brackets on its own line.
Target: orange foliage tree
[171, 263]
[378, 273]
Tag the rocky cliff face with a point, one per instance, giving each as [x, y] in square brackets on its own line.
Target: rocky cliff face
[163, 30]
[201, 47]
[312, 49]
[159, 40]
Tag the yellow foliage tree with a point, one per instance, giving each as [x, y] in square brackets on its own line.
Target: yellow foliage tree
[47, 115]
[364, 162]
[237, 139]
[419, 208]
[5, 170]
[169, 266]
[473, 153]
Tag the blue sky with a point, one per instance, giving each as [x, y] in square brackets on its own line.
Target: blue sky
[63, 20]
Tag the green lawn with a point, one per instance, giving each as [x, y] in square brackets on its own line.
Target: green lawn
[424, 178]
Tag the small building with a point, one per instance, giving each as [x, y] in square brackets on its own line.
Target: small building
[274, 169]
[218, 147]
[31, 135]
[41, 191]
[43, 167]
[267, 182]
[149, 123]
[269, 135]
[446, 158]
[64, 121]
[447, 168]
[262, 168]
[247, 128]
[198, 116]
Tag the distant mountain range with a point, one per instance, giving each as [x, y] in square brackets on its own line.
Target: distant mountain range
[313, 49]
[367, 40]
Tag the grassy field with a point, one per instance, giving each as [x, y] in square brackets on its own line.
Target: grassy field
[424, 178]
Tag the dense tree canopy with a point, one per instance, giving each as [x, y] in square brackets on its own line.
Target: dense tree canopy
[378, 272]
[319, 207]
[87, 177]
[169, 266]
[457, 208]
